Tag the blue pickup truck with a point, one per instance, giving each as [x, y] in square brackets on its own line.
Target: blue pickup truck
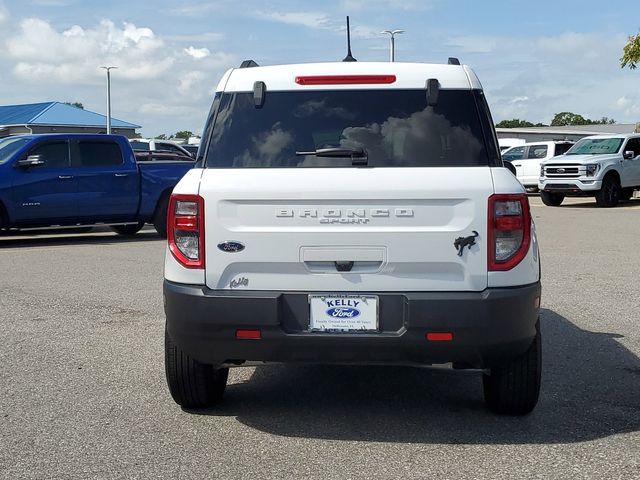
[82, 179]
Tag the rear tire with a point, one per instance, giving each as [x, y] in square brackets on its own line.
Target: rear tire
[609, 195]
[192, 384]
[160, 217]
[552, 199]
[513, 388]
[127, 230]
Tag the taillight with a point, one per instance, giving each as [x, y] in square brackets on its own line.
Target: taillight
[509, 231]
[185, 229]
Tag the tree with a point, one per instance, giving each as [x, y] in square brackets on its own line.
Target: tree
[517, 123]
[514, 123]
[564, 119]
[183, 134]
[75, 104]
[631, 53]
[162, 136]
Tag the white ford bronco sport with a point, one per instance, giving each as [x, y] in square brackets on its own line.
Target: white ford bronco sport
[604, 166]
[351, 213]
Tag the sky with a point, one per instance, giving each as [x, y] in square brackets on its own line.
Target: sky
[534, 58]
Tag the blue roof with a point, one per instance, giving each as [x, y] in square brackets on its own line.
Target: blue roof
[56, 113]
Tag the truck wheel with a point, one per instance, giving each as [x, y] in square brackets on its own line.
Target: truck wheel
[127, 229]
[513, 388]
[192, 384]
[626, 194]
[160, 217]
[552, 199]
[609, 195]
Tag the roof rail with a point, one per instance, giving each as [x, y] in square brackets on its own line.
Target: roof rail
[453, 61]
[248, 64]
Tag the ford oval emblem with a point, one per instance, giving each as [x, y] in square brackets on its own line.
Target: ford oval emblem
[343, 312]
[231, 247]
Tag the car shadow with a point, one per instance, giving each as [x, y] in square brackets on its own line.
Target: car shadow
[591, 203]
[591, 389]
[46, 238]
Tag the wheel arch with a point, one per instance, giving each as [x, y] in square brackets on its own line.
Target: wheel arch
[612, 172]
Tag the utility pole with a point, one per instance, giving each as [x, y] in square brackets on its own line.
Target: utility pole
[108, 69]
[392, 46]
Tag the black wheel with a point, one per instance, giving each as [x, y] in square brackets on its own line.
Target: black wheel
[626, 194]
[127, 229]
[609, 195]
[513, 388]
[552, 199]
[160, 217]
[192, 384]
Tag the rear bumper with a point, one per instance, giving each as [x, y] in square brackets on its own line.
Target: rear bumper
[488, 327]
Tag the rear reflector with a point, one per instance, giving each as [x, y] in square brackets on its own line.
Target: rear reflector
[346, 80]
[249, 334]
[439, 336]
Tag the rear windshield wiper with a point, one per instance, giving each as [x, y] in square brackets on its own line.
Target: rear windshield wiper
[358, 156]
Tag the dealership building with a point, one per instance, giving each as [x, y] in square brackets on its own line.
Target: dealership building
[57, 117]
[573, 132]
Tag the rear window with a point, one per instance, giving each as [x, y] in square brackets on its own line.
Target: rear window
[561, 148]
[140, 145]
[396, 128]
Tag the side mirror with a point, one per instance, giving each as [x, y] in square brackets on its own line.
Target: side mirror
[30, 161]
[509, 166]
[628, 155]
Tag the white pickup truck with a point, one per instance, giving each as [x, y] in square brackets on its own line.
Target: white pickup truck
[352, 213]
[604, 166]
[527, 159]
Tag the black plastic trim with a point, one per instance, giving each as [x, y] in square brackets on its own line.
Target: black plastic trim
[488, 326]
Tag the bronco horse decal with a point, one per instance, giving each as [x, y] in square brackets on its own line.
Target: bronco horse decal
[462, 242]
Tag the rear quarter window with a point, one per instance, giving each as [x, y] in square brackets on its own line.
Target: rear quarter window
[396, 128]
[99, 154]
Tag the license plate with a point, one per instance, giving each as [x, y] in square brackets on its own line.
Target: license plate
[343, 313]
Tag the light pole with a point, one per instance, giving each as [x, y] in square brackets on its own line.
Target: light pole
[392, 34]
[108, 69]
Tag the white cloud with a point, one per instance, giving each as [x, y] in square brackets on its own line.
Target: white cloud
[189, 80]
[211, 37]
[4, 13]
[197, 53]
[474, 44]
[74, 55]
[305, 19]
[390, 5]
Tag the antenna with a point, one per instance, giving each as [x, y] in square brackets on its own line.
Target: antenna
[349, 57]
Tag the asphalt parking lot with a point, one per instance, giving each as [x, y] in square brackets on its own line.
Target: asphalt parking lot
[83, 393]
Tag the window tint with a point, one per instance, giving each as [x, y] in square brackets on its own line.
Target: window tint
[515, 153]
[9, 146]
[633, 145]
[596, 146]
[168, 147]
[562, 148]
[395, 127]
[537, 151]
[140, 145]
[54, 155]
[99, 154]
